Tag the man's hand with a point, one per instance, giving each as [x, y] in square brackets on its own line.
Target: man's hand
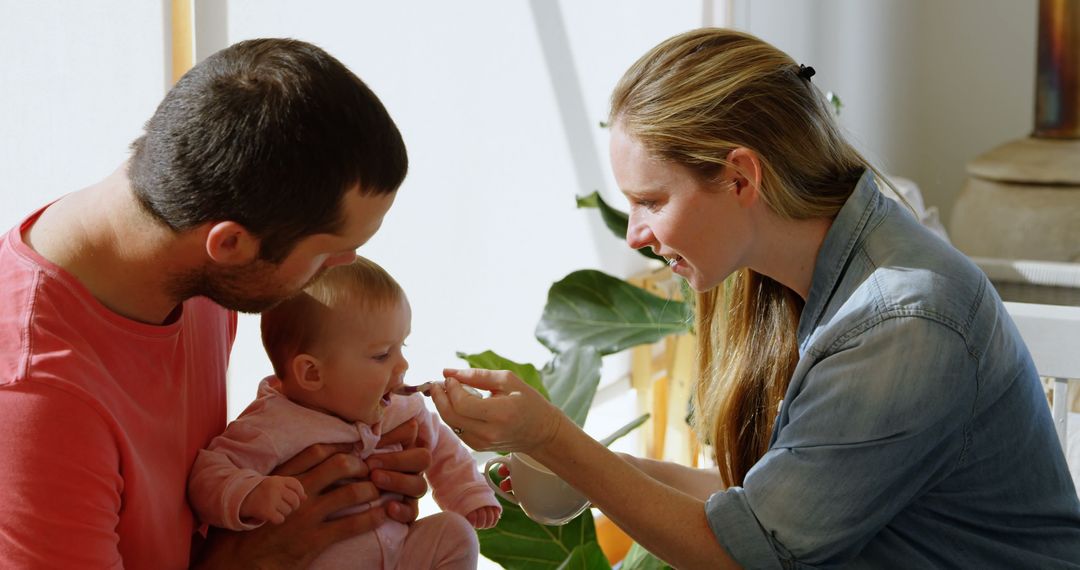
[305, 533]
[401, 471]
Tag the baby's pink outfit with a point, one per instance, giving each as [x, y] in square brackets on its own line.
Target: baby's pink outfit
[273, 429]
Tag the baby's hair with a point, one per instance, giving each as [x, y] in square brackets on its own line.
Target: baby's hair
[297, 324]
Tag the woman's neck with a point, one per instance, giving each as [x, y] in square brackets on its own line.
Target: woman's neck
[789, 249]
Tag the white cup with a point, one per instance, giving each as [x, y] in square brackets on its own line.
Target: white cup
[543, 496]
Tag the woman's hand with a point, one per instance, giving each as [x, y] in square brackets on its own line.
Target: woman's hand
[514, 418]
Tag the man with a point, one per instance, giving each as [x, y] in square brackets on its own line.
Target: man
[266, 164]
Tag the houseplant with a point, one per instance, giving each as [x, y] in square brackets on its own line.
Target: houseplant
[589, 314]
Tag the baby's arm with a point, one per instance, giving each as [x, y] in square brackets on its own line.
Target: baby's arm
[272, 500]
[456, 483]
[227, 472]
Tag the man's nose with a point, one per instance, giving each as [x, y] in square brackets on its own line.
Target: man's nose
[340, 259]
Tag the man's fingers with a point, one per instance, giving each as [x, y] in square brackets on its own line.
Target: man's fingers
[352, 525]
[403, 512]
[406, 484]
[415, 460]
[350, 494]
[333, 470]
[310, 457]
[404, 434]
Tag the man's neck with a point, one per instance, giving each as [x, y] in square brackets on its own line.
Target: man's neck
[104, 238]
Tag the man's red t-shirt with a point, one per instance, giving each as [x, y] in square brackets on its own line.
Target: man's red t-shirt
[100, 420]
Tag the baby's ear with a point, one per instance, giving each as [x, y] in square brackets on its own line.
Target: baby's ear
[305, 368]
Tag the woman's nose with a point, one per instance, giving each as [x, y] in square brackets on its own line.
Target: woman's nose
[638, 234]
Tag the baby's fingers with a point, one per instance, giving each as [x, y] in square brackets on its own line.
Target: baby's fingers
[294, 492]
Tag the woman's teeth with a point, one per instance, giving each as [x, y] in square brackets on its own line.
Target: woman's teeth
[673, 260]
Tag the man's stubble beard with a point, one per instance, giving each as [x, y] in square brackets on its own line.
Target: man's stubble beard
[250, 288]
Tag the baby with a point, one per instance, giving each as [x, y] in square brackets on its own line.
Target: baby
[336, 350]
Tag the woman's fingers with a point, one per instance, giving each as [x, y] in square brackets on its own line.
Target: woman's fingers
[464, 425]
[494, 381]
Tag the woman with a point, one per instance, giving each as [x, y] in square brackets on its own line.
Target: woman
[869, 400]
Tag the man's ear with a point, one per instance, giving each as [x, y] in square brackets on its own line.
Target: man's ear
[743, 176]
[229, 243]
[305, 369]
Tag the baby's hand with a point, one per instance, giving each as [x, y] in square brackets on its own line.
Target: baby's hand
[484, 517]
[272, 500]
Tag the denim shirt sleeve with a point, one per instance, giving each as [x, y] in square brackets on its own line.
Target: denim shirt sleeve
[872, 421]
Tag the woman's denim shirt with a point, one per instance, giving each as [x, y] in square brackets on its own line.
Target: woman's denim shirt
[915, 432]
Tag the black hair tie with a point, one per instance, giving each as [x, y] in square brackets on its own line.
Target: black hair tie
[806, 72]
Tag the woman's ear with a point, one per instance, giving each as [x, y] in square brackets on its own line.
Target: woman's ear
[305, 369]
[743, 176]
[229, 243]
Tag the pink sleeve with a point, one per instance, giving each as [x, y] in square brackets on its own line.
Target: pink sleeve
[457, 485]
[59, 479]
[226, 472]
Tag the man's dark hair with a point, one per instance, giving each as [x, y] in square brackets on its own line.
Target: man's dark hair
[269, 133]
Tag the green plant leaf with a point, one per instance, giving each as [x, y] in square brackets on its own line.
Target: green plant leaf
[592, 308]
[637, 558]
[615, 220]
[629, 427]
[488, 360]
[519, 543]
[571, 380]
[588, 556]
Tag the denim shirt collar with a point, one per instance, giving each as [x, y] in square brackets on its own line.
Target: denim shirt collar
[836, 251]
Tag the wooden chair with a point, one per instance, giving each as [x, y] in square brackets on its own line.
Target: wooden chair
[1052, 334]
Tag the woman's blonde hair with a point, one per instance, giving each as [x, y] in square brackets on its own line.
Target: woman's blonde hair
[692, 100]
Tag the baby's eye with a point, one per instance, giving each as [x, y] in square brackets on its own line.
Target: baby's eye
[381, 357]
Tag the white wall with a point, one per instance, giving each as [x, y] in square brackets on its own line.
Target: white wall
[927, 85]
[77, 82]
[498, 101]
[486, 220]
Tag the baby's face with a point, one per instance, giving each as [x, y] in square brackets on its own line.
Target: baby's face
[365, 361]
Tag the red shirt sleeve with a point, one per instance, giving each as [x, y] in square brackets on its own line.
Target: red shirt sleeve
[59, 472]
